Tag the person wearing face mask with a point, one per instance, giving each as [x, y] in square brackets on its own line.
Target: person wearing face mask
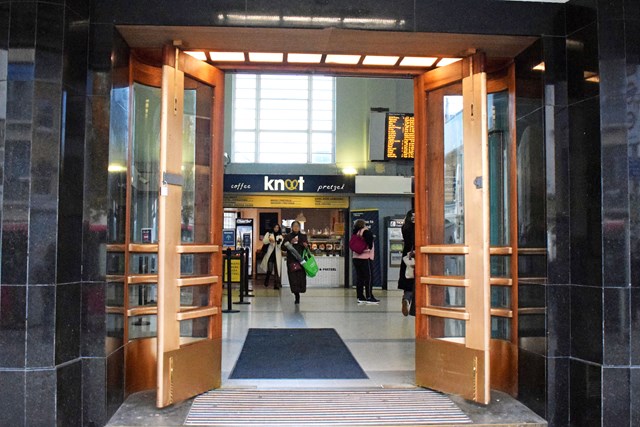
[295, 243]
[273, 258]
[407, 284]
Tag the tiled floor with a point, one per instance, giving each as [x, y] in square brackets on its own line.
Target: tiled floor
[379, 336]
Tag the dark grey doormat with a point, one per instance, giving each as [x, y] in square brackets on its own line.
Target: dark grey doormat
[296, 354]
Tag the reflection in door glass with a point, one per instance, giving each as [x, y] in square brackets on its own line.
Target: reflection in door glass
[196, 162]
[144, 164]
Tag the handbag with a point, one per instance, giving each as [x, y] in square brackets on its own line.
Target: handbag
[310, 265]
[410, 263]
[294, 266]
[357, 243]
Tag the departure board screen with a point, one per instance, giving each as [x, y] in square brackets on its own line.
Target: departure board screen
[400, 138]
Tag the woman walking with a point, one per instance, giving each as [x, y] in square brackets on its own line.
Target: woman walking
[273, 258]
[408, 248]
[362, 264]
[295, 243]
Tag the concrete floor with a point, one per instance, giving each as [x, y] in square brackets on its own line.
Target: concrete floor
[379, 336]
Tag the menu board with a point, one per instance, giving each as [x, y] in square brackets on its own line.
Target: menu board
[400, 138]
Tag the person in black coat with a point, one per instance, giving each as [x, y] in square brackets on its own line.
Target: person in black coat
[363, 265]
[295, 243]
[408, 248]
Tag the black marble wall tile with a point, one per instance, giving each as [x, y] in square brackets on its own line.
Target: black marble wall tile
[13, 319]
[585, 403]
[580, 13]
[616, 405]
[12, 403]
[49, 41]
[5, 17]
[634, 377]
[93, 319]
[22, 29]
[96, 181]
[582, 57]
[41, 326]
[41, 398]
[94, 391]
[586, 323]
[359, 14]
[631, 10]
[558, 391]
[101, 42]
[75, 53]
[45, 154]
[80, 7]
[71, 192]
[558, 320]
[555, 73]
[69, 394]
[529, 82]
[635, 326]
[611, 9]
[617, 326]
[68, 326]
[585, 177]
[115, 381]
[532, 381]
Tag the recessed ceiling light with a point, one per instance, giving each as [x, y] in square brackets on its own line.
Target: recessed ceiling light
[265, 57]
[196, 54]
[305, 58]
[342, 59]
[417, 61]
[447, 61]
[539, 67]
[380, 60]
[227, 56]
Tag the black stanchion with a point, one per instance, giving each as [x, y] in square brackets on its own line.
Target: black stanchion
[248, 291]
[227, 260]
[243, 274]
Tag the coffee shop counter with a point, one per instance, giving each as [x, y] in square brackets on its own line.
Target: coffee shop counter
[330, 272]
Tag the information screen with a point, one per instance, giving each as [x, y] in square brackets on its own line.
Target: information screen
[400, 138]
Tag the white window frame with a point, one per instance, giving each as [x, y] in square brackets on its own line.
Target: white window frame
[236, 157]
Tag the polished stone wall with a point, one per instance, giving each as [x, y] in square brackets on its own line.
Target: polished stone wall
[51, 213]
[579, 346]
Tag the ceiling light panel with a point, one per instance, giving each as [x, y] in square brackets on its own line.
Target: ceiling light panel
[227, 56]
[196, 54]
[447, 61]
[265, 57]
[304, 58]
[342, 59]
[380, 60]
[417, 61]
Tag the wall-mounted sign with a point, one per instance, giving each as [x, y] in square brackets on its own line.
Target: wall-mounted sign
[400, 137]
[283, 201]
[289, 184]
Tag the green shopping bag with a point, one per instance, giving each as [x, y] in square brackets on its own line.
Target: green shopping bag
[310, 265]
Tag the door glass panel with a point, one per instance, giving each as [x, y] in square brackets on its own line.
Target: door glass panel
[500, 266]
[499, 155]
[115, 294]
[446, 265]
[143, 326]
[196, 162]
[117, 184]
[440, 328]
[453, 171]
[115, 263]
[195, 264]
[446, 296]
[143, 263]
[144, 295]
[194, 296]
[500, 328]
[144, 164]
[500, 297]
[194, 329]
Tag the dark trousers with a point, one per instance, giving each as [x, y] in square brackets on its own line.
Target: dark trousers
[364, 286]
[271, 266]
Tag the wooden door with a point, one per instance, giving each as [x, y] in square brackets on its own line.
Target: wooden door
[453, 307]
[190, 228]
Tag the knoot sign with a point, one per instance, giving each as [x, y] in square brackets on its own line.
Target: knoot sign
[333, 184]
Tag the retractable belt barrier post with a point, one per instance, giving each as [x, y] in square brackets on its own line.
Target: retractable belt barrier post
[227, 260]
[244, 261]
[248, 291]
